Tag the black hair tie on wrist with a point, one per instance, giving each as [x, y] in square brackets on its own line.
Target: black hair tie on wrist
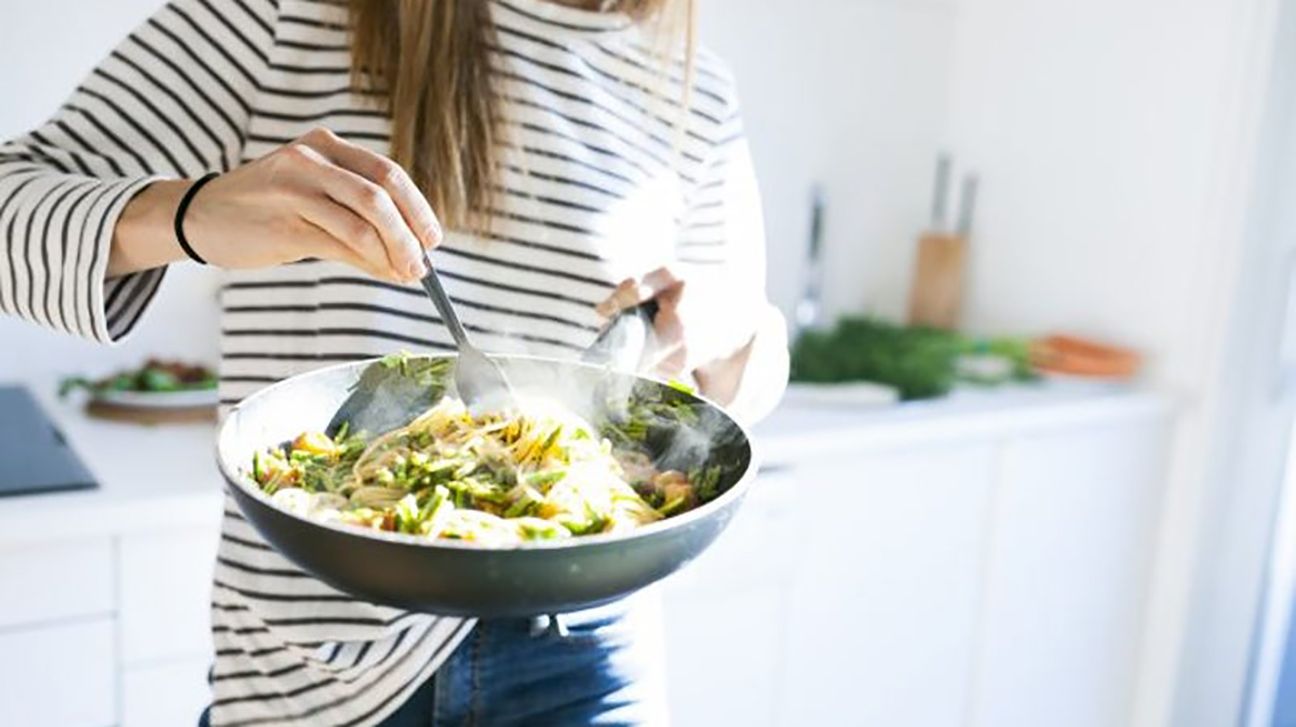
[180, 214]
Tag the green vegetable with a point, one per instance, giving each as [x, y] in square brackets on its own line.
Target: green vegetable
[122, 382]
[439, 502]
[154, 376]
[526, 503]
[429, 372]
[553, 437]
[706, 482]
[537, 529]
[919, 362]
[647, 418]
[669, 508]
[408, 514]
[71, 383]
[680, 386]
[157, 380]
[545, 479]
[1016, 350]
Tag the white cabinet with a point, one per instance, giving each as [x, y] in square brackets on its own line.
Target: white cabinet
[105, 631]
[51, 582]
[987, 573]
[59, 675]
[882, 603]
[166, 595]
[844, 593]
[165, 622]
[173, 693]
[724, 616]
[1074, 515]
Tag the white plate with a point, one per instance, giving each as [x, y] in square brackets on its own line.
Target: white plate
[160, 399]
[854, 395]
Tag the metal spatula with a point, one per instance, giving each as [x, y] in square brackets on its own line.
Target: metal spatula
[480, 381]
[387, 397]
[627, 341]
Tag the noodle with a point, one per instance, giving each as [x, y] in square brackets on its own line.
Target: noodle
[541, 473]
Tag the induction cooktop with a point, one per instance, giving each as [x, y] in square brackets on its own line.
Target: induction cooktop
[34, 457]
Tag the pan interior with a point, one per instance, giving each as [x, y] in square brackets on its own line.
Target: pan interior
[313, 401]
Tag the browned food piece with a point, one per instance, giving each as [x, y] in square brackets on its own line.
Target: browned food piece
[315, 443]
[674, 485]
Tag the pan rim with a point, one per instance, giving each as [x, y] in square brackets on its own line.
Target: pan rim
[732, 494]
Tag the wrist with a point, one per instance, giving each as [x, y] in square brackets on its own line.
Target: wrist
[144, 235]
[750, 383]
[720, 379]
[181, 210]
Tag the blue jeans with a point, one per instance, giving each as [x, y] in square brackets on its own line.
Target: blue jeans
[606, 670]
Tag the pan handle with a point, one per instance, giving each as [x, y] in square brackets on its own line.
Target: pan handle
[625, 341]
[549, 623]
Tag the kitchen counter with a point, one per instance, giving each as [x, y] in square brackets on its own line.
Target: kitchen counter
[940, 556]
[799, 431]
[148, 476]
[166, 475]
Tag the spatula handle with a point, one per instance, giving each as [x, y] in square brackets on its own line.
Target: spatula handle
[432, 284]
[623, 342]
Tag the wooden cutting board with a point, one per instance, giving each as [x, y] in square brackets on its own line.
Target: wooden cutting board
[150, 416]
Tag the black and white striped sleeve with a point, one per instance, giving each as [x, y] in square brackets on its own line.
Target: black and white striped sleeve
[722, 235]
[171, 101]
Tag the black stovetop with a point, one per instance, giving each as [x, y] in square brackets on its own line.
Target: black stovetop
[34, 457]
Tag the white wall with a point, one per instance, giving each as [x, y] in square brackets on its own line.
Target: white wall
[1093, 125]
[1115, 140]
[45, 50]
[852, 94]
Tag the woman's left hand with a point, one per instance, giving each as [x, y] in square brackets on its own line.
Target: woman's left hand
[690, 329]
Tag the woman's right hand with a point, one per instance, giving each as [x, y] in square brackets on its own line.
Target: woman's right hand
[317, 197]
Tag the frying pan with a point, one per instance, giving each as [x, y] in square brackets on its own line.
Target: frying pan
[460, 578]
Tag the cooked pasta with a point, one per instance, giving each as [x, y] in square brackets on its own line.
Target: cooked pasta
[541, 473]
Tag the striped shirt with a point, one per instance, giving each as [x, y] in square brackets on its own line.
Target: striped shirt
[597, 186]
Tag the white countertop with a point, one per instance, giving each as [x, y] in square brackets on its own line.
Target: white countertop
[166, 476]
[799, 431]
[148, 476]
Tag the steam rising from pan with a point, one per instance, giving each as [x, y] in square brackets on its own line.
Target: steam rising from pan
[609, 397]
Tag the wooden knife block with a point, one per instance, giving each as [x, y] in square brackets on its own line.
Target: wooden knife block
[936, 295]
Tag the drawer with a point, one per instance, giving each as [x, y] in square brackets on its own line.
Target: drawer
[46, 583]
[59, 675]
[166, 595]
[171, 693]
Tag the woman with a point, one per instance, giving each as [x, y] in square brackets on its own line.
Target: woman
[565, 160]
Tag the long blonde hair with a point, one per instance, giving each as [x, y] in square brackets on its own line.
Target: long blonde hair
[429, 62]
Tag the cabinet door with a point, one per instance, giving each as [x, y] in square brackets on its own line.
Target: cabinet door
[885, 589]
[49, 582]
[1073, 523]
[725, 616]
[166, 595]
[59, 675]
[171, 693]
